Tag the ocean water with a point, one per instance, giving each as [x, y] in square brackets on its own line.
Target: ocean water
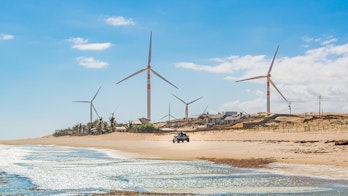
[52, 170]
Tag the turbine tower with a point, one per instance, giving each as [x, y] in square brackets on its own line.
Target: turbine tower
[268, 76]
[187, 103]
[149, 70]
[91, 105]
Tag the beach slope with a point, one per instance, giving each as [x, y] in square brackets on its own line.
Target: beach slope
[302, 153]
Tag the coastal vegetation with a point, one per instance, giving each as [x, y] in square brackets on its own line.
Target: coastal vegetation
[102, 127]
[256, 122]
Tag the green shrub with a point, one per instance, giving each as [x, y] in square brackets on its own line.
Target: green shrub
[148, 128]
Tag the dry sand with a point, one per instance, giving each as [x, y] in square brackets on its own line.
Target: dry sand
[298, 153]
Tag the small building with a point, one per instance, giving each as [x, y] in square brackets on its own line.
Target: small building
[144, 120]
[141, 121]
[233, 119]
[216, 118]
[231, 113]
[121, 129]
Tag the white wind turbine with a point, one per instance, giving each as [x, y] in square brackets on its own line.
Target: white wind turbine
[268, 76]
[149, 70]
[169, 115]
[91, 105]
[187, 104]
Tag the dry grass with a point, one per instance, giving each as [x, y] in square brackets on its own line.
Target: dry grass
[307, 123]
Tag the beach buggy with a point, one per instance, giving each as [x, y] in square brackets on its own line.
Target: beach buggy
[181, 137]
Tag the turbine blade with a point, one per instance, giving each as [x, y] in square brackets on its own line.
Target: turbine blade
[96, 94]
[270, 67]
[205, 110]
[132, 75]
[150, 49]
[195, 100]
[157, 74]
[179, 99]
[82, 101]
[95, 110]
[163, 117]
[257, 77]
[172, 116]
[278, 90]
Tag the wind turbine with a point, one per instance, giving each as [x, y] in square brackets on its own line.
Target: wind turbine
[169, 115]
[91, 105]
[268, 76]
[149, 70]
[187, 103]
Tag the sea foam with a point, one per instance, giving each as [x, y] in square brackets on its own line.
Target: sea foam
[63, 169]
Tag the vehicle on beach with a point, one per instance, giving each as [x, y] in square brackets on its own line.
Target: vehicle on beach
[181, 137]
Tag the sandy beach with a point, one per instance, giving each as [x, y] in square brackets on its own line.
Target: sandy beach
[298, 153]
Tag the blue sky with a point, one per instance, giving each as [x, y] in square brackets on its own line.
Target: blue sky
[56, 51]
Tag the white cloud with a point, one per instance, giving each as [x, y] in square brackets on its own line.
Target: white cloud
[225, 65]
[95, 46]
[232, 78]
[90, 62]
[301, 79]
[78, 40]
[189, 65]
[6, 37]
[119, 21]
[82, 44]
[311, 39]
[324, 40]
[329, 41]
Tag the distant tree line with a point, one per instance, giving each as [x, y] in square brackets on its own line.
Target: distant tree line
[102, 127]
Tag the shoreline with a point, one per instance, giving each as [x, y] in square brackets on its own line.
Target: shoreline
[296, 153]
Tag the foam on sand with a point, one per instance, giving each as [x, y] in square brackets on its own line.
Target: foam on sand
[76, 170]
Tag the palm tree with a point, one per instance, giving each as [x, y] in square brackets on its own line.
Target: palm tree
[112, 122]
